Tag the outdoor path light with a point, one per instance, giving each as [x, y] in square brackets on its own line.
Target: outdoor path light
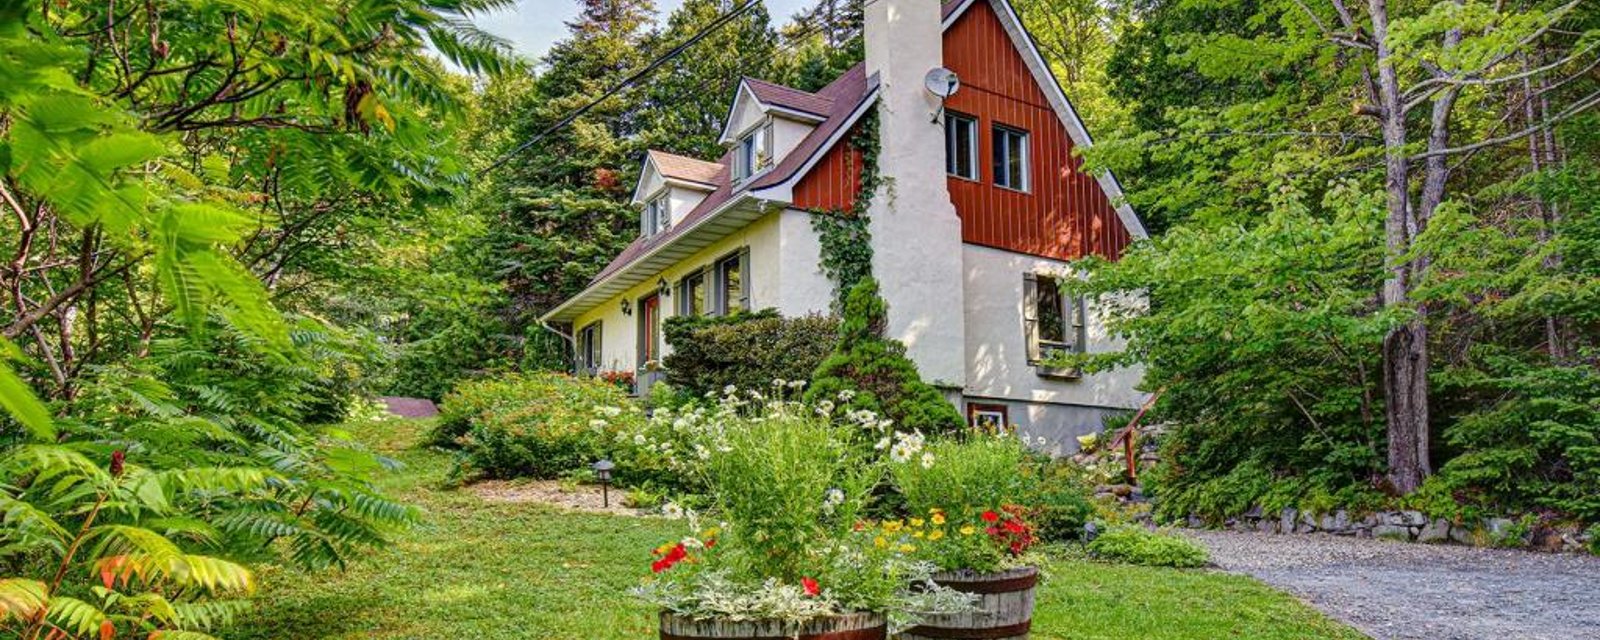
[603, 470]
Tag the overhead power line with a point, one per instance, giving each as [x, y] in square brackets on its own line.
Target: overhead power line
[624, 85]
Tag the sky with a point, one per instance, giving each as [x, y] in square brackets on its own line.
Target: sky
[536, 24]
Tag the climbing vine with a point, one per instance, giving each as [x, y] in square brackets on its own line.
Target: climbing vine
[846, 242]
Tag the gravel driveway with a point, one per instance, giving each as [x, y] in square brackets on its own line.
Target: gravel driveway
[1400, 590]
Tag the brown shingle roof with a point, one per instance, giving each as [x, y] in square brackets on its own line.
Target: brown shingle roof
[790, 98]
[685, 168]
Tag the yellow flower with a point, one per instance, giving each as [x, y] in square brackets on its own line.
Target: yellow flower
[936, 534]
[918, 522]
[938, 517]
[880, 542]
[893, 526]
[906, 548]
[917, 534]
[968, 530]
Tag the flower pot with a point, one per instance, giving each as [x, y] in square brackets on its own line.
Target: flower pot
[1005, 607]
[851, 626]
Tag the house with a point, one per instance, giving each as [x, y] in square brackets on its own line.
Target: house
[982, 204]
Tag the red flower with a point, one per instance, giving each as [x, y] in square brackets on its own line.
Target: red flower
[990, 516]
[116, 463]
[673, 556]
[1013, 526]
[811, 586]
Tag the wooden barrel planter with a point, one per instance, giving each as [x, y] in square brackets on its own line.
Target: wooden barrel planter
[853, 626]
[1005, 607]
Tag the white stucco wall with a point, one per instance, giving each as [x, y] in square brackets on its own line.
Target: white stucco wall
[783, 275]
[916, 235]
[996, 346]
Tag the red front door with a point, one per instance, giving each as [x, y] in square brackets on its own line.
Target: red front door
[649, 329]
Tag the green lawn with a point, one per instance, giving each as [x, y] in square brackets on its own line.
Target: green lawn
[484, 570]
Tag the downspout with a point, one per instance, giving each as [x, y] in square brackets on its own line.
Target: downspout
[572, 344]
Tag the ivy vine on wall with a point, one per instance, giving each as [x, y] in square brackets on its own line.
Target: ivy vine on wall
[846, 253]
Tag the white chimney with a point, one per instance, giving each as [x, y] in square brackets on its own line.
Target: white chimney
[916, 236]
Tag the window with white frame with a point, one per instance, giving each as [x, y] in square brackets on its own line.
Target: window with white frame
[1053, 323]
[1010, 158]
[754, 152]
[961, 145]
[657, 216]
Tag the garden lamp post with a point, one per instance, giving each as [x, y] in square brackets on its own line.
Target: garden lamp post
[603, 470]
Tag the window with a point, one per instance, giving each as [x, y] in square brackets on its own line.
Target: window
[1053, 323]
[692, 294]
[1010, 158]
[657, 215]
[732, 283]
[589, 349]
[754, 152]
[961, 146]
[990, 418]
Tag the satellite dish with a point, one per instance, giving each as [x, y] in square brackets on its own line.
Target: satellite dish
[942, 82]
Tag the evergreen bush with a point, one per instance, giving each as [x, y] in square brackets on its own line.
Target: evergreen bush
[745, 350]
[874, 372]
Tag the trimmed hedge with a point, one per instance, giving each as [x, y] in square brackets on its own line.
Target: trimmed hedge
[746, 350]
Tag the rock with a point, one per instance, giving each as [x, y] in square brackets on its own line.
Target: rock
[1392, 532]
[1460, 534]
[1286, 520]
[1196, 522]
[1413, 518]
[1547, 539]
[1122, 490]
[1254, 512]
[1308, 523]
[1499, 528]
[1435, 532]
[1266, 525]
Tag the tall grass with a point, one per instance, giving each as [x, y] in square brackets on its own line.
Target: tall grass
[978, 473]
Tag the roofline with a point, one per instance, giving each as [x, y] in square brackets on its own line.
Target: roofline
[793, 114]
[784, 190]
[732, 202]
[1069, 116]
[644, 170]
[955, 14]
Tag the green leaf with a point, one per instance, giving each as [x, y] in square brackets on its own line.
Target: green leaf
[18, 399]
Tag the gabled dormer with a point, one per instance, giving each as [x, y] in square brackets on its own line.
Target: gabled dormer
[670, 186]
[766, 122]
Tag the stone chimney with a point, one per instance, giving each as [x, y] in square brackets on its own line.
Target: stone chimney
[916, 236]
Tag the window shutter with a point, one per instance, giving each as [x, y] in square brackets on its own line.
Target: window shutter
[744, 279]
[1080, 337]
[1030, 315]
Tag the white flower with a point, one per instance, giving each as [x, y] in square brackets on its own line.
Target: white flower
[900, 453]
[927, 460]
[847, 395]
[597, 424]
[882, 444]
[824, 408]
[692, 542]
[832, 500]
[779, 382]
[797, 384]
[609, 412]
[701, 452]
[639, 439]
[672, 511]
[730, 390]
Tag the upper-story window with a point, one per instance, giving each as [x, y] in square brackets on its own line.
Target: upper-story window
[961, 146]
[754, 152]
[1010, 158]
[657, 215]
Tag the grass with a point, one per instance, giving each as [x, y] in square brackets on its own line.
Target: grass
[487, 570]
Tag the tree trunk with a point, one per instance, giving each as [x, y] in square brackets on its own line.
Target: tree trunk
[1405, 348]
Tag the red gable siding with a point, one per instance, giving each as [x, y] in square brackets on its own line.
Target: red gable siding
[1066, 215]
[832, 184]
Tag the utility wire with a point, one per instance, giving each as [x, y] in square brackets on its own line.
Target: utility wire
[622, 86]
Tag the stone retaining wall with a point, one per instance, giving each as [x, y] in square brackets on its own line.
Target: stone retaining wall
[1408, 526]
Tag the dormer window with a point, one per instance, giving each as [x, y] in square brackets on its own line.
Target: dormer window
[753, 153]
[657, 216]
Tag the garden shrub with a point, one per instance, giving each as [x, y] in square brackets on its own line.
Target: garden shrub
[1060, 503]
[745, 350]
[1136, 545]
[874, 372]
[975, 474]
[532, 425]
